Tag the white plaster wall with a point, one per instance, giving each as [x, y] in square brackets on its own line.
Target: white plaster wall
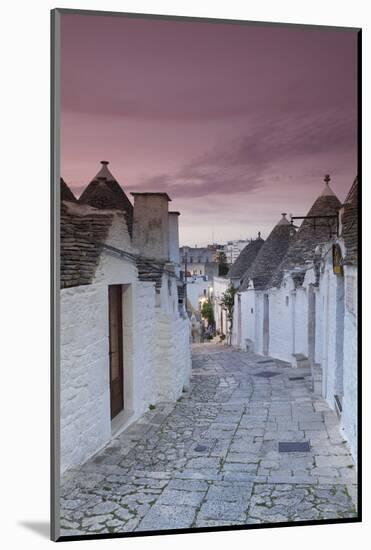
[85, 398]
[301, 322]
[258, 322]
[248, 315]
[235, 322]
[156, 342]
[329, 359]
[172, 355]
[349, 414]
[195, 290]
[328, 297]
[220, 285]
[280, 322]
[251, 319]
[139, 353]
[320, 322]
[220, 316]
[168, 295]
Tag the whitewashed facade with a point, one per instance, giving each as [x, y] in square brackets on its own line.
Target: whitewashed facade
[306, 314]
[155, 329]
[220, 315]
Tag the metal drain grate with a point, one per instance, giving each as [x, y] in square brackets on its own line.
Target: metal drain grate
[297, 378]
[294, 447]
[267, 374]
[263, 361]
[200, 448]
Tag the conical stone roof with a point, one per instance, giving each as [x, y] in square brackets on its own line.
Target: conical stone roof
[105, 192]
[66, 193]
[269, 256]
[349, 221]
[245, 258]
[310, 234]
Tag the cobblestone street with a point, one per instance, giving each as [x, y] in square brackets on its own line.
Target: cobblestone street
[213, 458]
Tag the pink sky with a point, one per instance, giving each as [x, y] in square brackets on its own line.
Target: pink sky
[237, 123]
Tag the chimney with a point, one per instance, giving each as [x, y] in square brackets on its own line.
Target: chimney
[174, 237]
[151, 225]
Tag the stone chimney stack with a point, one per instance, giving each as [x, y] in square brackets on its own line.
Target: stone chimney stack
[151, 225]
[174, 238]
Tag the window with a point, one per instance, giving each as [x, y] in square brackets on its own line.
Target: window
[287, 300]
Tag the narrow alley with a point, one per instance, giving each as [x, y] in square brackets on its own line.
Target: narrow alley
[247, 443]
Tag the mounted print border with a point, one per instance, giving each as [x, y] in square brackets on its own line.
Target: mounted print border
[217, 386]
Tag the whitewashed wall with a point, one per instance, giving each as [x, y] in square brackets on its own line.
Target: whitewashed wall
[336, 347]
[195, 290]
[301, 322]
[85, 399]
[220, 286]
[252, 319]
[156, 342]
[247, 316]
[172, 355]
[139, 321]
[281, 311]
[349, 414]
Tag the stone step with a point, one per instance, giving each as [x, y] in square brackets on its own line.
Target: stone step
[299, 360]
[316, 378]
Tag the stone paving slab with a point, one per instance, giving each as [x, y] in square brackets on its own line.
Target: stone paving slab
[212, 458]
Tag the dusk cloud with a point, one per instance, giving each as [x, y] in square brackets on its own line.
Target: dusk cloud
[243, 120]
[240, 165]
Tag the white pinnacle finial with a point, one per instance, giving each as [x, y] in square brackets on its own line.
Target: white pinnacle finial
[327, 189]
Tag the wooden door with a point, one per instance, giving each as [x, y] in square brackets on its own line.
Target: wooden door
[116, 349]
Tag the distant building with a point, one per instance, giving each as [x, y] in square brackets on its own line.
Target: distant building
[233, 249]
[199, 261]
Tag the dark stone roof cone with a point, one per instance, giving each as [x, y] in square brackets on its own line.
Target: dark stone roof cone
[66, 193]
[310, 234]
[269, 255]
[245, 258]
[349, 221]
[104, 191]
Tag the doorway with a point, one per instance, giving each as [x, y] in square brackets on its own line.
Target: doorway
[116, 349]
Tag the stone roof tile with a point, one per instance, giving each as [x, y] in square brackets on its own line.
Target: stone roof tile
[66, 193]
[81, 236]
[349, 223]
[269, 255]
[105, 192]
[245, 259]
[311, 233]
